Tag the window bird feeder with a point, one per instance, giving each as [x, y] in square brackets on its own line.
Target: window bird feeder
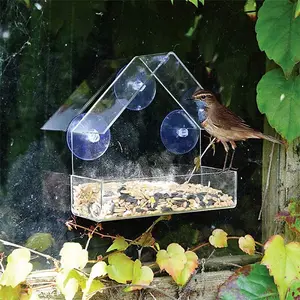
[158, 86]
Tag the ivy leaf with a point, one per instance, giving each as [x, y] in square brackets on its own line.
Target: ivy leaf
[249, 283]
[146, 240]
[177, 263]
[10, 293]
[118, 244]
[141, 275]
[278, 33]
[98, 270]
[71, 288]
[297, 10]
[17, 269]
[189, 268]
[120, 267]
[292, 216]
[218, 238]
[73, 256]
[279, 99]
[172, 260]
[40, 241]
[68, 282]
[92, 287]
[283, 262]
[247, 244]
[293, 291]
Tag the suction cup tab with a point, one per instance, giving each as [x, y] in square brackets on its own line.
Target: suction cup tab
[178, 133]
[133, 80]
[84, 139]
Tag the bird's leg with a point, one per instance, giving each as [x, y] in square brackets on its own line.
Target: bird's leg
[226, 156]
[225, 161]
[233, 146]
[231, 160]
[198, 163]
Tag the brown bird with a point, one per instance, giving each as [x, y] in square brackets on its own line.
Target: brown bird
[223, 124]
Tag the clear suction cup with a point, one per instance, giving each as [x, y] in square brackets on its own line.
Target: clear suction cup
[136, 80]
[178, 133]
[83, 137]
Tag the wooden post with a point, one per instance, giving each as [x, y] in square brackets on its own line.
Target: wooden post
[282, 180]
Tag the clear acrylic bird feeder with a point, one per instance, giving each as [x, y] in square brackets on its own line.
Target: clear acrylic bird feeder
[111, 178]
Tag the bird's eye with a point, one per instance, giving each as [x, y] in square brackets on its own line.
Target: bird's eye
[203, 97]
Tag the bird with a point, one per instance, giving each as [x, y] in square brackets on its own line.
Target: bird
[224, 125]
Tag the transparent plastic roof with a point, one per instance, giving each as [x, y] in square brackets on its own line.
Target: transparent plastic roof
[137, 78]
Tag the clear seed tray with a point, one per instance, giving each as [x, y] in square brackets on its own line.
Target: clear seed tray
[112, 200]
[126, 140]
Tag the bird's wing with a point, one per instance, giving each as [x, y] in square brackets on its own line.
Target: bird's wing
[224, 118]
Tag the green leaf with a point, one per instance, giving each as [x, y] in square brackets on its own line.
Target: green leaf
[142, 275]
[68, 282]
[10, 293]
[146, 240]
[202, 1]
[177, 263]
[249, 283]
[172, 1]
[73, 256]
[118, 244]
[40, 241]
[278, 33]
[279, 99]
[218, 238]
[120, 267]
[293, 291]
[98, 270]
[189, 268]
[283, 262]
[91, 288]
[195, 2]
[17, 269]
[192, 29]
[297, 10]
[292, 216]
[172, 260]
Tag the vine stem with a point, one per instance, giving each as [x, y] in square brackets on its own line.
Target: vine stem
[142, 286]
[228, 238]
[238, 237]
[48, 257]
[71, 224]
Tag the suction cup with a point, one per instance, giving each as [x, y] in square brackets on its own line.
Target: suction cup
[128, 85]
[83, 139]
[178, 133]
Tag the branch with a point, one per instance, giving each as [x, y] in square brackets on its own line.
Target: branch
[48, 257]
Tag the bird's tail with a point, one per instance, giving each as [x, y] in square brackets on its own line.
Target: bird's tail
[271, 138]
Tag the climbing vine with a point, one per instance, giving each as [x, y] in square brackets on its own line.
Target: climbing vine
[275, 277]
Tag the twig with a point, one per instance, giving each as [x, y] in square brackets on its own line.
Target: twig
[71, 224]
[48, 257]
[267, 183]
[90, 235]
[137, 285]
[192, 173]
[200, 246]
[43, 287]
[152, 295]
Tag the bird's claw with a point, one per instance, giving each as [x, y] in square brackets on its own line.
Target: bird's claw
[197, 162]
